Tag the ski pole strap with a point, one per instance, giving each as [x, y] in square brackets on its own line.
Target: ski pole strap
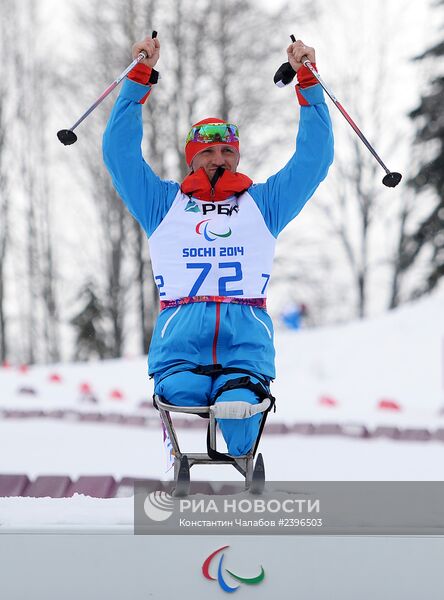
[256, 302]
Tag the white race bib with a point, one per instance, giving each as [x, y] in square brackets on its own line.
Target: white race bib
[204, 248]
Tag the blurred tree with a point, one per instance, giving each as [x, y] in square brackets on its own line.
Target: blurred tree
[105, 29]
[32, 75]
[365, 224]
[428, 235]
[26, 245]
[398, 260]
[4, 181]
[88, 324]
[4, 233]
[242, 54]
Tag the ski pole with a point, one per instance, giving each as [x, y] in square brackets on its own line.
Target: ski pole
[67, 136]
[285, 75]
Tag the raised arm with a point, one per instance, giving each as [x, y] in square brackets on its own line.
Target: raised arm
[283, 195]
[147, 197]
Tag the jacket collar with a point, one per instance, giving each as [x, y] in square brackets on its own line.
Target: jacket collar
[223, 185]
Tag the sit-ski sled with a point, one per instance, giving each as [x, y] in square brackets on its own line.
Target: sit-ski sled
[253, 471]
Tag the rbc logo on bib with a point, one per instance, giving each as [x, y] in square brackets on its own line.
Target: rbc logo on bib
[192, 207]
[207, 207]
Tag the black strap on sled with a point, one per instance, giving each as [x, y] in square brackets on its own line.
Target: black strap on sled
[245, 382]
[217, 369]
[234, 384]
[214, 370]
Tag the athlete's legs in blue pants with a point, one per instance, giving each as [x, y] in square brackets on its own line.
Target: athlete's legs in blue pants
[189, 389]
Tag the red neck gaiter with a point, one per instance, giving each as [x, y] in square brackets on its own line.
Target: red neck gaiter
[229, 184]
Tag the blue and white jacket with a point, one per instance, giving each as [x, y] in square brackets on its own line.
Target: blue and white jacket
[200, 249]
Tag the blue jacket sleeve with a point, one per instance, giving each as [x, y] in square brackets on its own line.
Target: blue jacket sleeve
[147, 197]
[284, 195]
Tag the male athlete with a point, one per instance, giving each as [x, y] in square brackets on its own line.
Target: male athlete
[212, 240]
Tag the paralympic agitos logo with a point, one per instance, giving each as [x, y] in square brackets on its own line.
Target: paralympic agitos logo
[204, 227]
[220, 573]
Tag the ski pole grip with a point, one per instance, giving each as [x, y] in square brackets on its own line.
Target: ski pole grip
[304, 59]
[143, 53]
[285, 74]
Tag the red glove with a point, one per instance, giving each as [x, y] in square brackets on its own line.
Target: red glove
[142, 74]
[306, 77]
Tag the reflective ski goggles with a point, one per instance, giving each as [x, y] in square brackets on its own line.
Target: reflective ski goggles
[213, 132]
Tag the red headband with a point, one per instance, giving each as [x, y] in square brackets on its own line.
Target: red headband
[193, 148]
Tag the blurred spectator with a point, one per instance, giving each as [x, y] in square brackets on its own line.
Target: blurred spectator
[293, 317]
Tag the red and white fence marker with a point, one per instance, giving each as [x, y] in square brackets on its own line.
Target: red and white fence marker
[389, 404]
[328, 401]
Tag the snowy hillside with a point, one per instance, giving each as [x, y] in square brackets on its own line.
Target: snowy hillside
[398, 356]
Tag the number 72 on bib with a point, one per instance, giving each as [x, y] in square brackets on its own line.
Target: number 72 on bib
[229, 282]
